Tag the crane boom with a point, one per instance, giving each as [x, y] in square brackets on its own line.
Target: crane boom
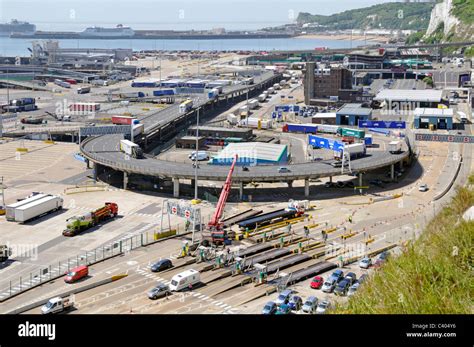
[215, 220]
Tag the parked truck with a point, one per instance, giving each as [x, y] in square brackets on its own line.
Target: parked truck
[5, 253]
[77, 224]
[10, 209]
[83, 90]
[58, 304]
[37, 208]
[395, 147]
[131, 149]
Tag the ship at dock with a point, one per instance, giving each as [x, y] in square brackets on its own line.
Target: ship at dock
[15, 26]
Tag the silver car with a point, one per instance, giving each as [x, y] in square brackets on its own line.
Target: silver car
[329, 286]
[365, 263]
[310, 305]
[323, 307]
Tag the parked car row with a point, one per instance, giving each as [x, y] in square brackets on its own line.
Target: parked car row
[288, 302]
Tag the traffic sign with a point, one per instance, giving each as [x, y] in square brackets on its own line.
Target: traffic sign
[187, 214]
[174, 210]
[445, 138]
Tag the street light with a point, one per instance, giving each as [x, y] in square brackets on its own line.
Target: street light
[196, 158]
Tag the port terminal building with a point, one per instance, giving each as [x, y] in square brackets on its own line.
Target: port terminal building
[252, 154]
[351, 114]
[433, 118]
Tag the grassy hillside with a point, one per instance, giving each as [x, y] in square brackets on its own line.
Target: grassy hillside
[415, 16]
[432, 276]
[464, 10]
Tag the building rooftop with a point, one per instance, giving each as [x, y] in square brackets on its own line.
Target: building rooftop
[257, 150]
[434, 112]
[325, 115]
[355, 109]
[424, 95]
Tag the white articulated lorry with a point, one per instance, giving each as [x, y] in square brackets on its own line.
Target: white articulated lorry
[37, 208]
[10, 209]
[131, 149]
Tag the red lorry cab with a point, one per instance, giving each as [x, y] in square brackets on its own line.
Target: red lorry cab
[76, 274]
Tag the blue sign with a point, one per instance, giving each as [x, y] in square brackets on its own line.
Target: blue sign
[322, 142]
[382, 124]
[79, 157]
[287, 108]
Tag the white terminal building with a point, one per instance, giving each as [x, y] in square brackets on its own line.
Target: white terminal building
[252, 153]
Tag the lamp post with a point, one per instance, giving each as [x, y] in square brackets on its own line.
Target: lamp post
[196, 158]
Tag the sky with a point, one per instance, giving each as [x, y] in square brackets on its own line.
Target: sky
[75, 15]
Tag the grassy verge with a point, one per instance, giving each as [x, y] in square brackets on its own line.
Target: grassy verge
[434, 274]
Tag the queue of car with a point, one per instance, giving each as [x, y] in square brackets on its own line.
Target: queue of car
[338, 283]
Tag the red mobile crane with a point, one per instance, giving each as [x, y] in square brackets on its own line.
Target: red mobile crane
[215, 225]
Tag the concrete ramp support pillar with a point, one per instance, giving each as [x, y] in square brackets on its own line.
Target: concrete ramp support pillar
[290, 184]
[125, 180]
[392, 172]
[241, 190]
[94, 171]
[176, 187]
[306, 188]
[360, 180]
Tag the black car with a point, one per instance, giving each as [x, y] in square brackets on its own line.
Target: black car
[342, 287]
[161, 265]
[160, 291]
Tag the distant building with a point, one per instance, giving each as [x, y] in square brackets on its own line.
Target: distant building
[366, 59]
[350, 114]
[325, 83]
[408, 99]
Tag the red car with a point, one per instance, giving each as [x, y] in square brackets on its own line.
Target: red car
[317, 282]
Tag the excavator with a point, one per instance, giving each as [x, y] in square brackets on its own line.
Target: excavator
[215, 232]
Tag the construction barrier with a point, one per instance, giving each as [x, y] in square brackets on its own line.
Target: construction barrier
[162, 235]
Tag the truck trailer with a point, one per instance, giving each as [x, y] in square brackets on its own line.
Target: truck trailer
[395, 147]
[37, 208]
[75, 225]
[131, 149]
[354, 150]
[10, 209]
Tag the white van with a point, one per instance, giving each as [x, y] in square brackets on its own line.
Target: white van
[184, 279]
[201, 155]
